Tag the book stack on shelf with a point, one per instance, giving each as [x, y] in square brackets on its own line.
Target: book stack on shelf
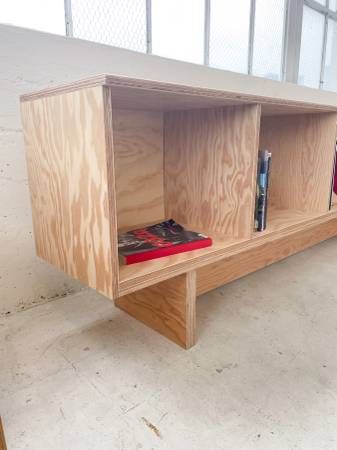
[155, 241]
[262, 184]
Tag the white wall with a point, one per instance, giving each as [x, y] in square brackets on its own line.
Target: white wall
[31, 60]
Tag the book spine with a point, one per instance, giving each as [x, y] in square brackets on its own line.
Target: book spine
[263, 191]
[333, 184]
[166, 251]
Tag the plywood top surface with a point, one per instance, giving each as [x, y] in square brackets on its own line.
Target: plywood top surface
[279, 98]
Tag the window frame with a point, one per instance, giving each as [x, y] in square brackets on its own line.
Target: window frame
[291, 39]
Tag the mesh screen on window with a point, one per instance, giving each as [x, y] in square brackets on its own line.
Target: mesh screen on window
[311, 48]
[121, 23]
[229, 35]
[178, 29]
[268, 38]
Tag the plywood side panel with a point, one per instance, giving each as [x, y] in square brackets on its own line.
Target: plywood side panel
[167, 307]
[138, 145]
[248, 261]
[302, 149]
[70, 169]
[210, 168]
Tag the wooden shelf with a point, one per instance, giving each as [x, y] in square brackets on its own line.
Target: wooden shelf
[280, 223]
[111, 152]
[280, 219]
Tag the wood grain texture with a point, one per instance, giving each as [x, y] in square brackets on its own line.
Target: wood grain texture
[139, 93]
[302, 149]
[279, 219]
[3, 445]
[167, 307]
[71, 174]
[210, 168]
[113, 270]
[138, 147]
[250, 260]
[139, 276]
[98, 155]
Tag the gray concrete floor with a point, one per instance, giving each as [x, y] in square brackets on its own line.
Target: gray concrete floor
[79, 374]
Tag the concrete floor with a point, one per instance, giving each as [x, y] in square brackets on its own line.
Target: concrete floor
[78, 374]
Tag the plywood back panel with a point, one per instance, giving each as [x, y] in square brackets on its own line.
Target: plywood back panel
[138, 145]
[210, 168]
[70, 169]
[302, 149]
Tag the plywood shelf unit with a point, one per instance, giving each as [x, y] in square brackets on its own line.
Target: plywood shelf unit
[111, 153]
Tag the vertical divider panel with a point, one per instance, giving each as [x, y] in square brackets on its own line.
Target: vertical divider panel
[210, 158]
[68, 139]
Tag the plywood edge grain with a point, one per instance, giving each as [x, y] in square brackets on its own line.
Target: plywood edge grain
[154, 86]
[64, 88]
[203, 257]
[111, 187]
[257, 112]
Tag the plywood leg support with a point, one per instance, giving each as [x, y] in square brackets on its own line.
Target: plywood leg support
[168, 307]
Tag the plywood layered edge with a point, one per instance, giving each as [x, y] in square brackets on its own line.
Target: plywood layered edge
[146, 274]
[125, 91]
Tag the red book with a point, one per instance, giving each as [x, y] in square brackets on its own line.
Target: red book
[163, 239]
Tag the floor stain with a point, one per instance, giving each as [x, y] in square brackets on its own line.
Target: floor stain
[152, 427]
[227, 366]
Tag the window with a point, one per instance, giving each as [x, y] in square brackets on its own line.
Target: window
[333, 5]
[42, 15]
[268, 38]
[114, 22]
[311, 48]
[318, 60]
[229, 35]
[330, 71]
[276, 39]
[178, 29]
